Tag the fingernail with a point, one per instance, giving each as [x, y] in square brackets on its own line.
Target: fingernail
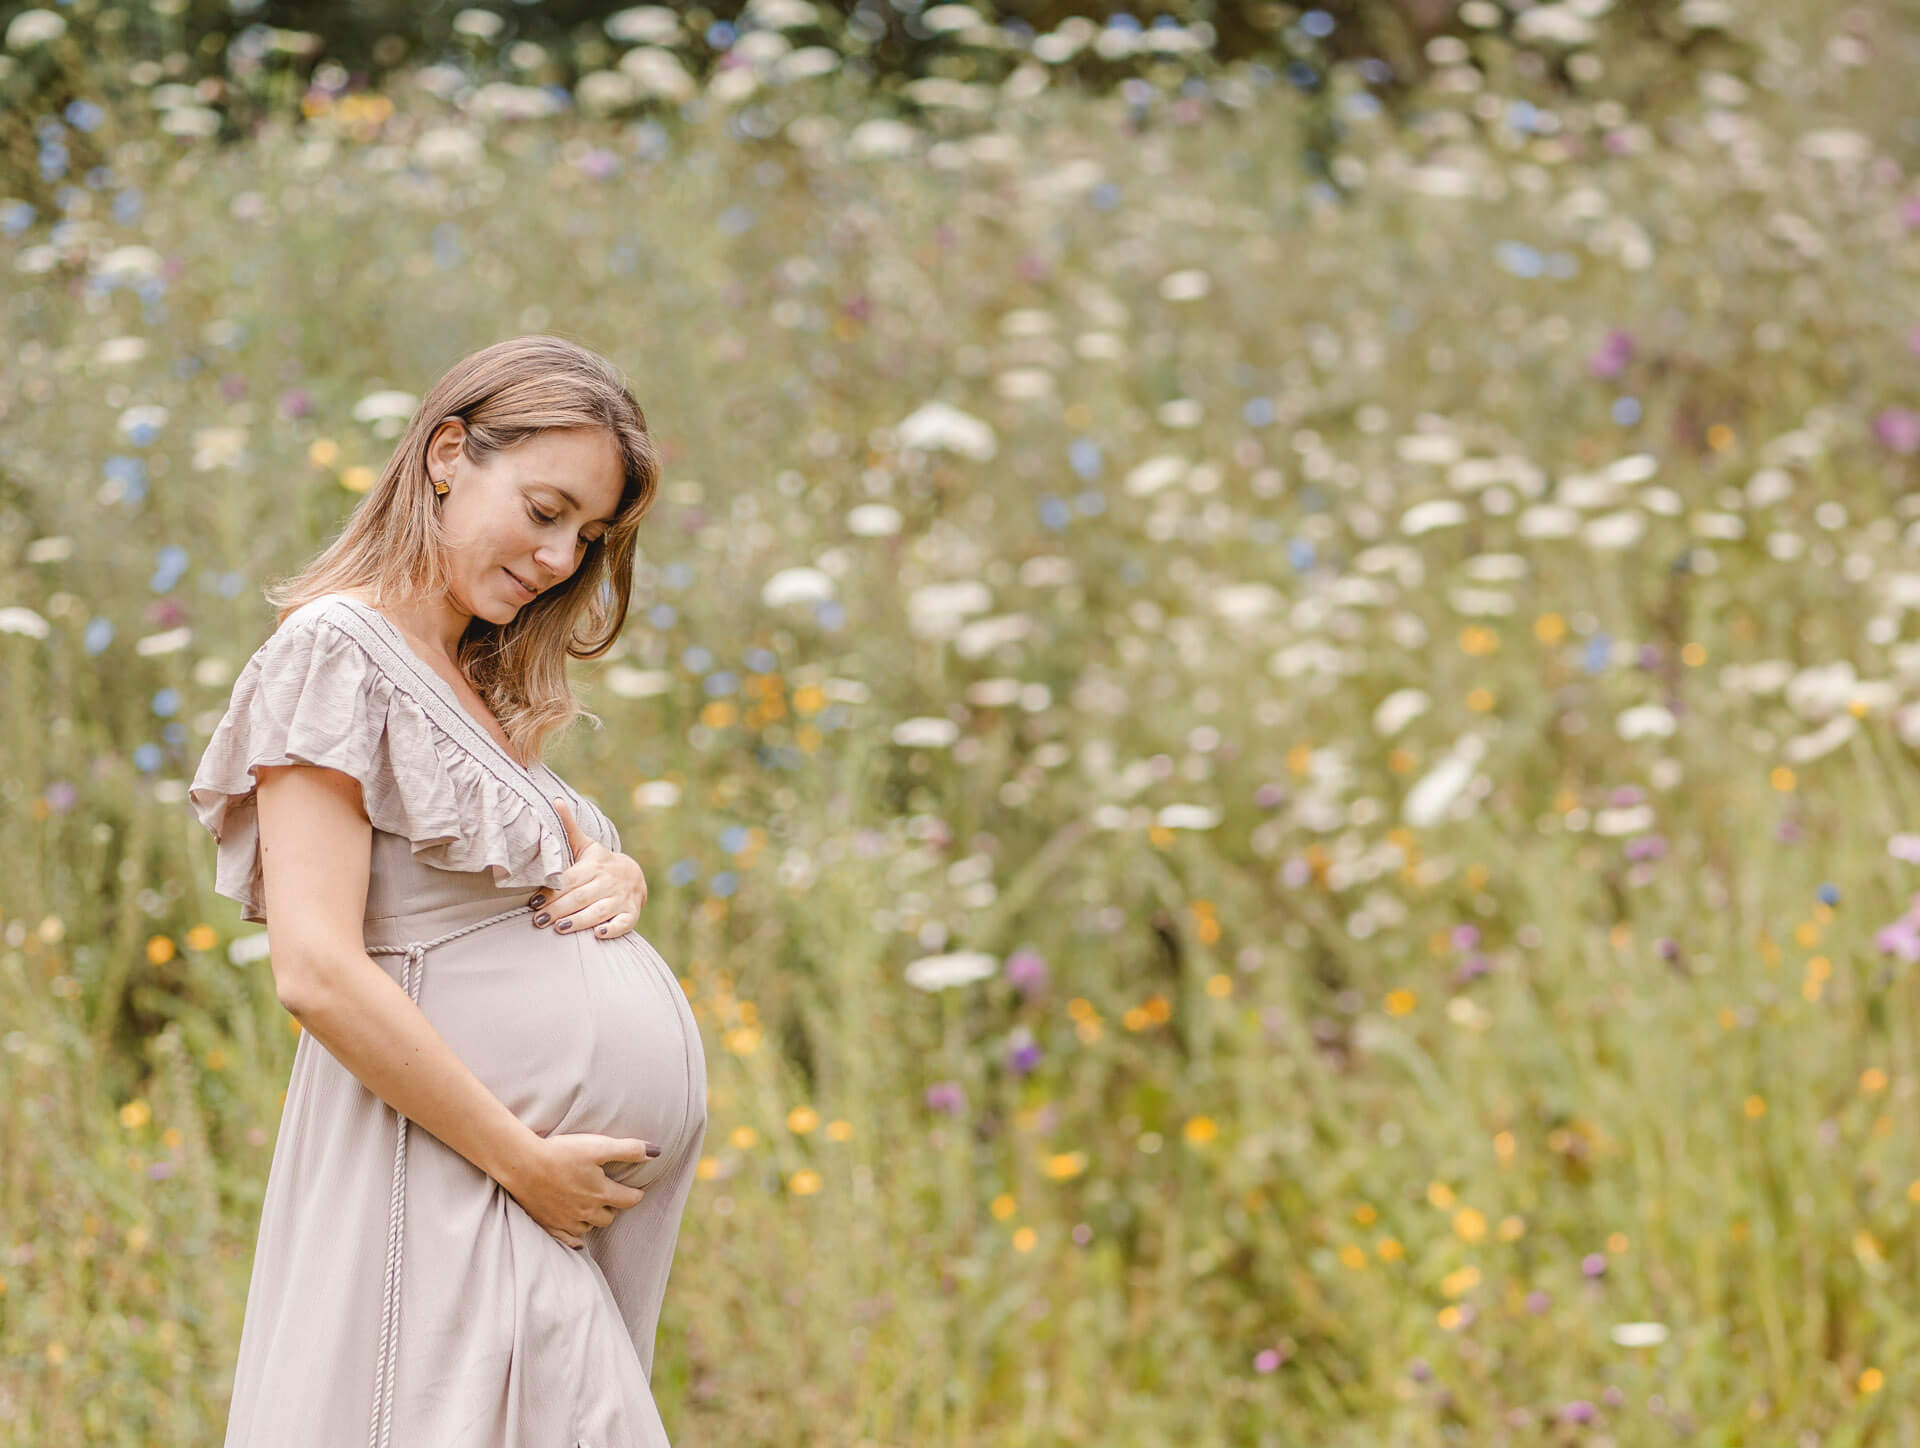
[537, 901]
[600, 930]
[541, 918]
[564, 926]
[652, 1150]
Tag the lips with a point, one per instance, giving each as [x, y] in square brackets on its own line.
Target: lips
[530, 593]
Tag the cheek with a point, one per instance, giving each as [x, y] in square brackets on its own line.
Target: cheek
[483, 545]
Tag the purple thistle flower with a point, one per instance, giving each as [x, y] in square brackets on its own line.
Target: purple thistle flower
[1266, 1360]
[1578, 1411]
[1471, 969]
[1023, 1052]
[1465, 937]
[1027, 973]
[1613, 354]
[296, 402]
[1538, 1301]
[946, 1097]
[1901, 938]
[1594, 1264]
[599, 163]
[1645, 847]
[1897, 429]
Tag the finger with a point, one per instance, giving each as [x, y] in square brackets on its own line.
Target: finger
[614, 926]
[590, 915]
[631, 1149]
[577, 838]
[551, 905]
[586, 915]
[637, 1193]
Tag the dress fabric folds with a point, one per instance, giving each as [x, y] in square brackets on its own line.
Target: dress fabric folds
[399, 1295]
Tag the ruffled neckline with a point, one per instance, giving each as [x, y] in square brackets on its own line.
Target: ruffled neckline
[332, 688]
[376, 637]
[432, 677]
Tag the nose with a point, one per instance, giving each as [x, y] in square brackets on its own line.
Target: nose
[554, 565]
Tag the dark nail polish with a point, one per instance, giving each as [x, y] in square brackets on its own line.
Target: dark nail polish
[652, 1150]
[541, 918]
[564, 926]
[537, 901]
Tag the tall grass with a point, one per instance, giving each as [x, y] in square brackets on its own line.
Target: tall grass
[1429, 763]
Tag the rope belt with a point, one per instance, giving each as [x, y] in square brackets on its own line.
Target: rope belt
[387, 1363]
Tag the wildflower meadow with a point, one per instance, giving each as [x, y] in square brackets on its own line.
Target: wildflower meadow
[1279, 762]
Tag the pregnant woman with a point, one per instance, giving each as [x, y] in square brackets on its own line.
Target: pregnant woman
[452, 926]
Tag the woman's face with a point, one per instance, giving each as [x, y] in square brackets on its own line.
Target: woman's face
[527, 513]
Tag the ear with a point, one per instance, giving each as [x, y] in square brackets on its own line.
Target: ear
[447, 441]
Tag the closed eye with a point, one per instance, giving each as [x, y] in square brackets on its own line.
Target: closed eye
[541, 517]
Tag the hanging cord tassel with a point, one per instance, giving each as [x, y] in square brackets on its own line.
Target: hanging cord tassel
[385, 1369]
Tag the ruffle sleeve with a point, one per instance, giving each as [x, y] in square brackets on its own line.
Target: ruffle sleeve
[311, 694]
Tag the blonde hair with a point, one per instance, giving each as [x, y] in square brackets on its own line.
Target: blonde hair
[392, 549]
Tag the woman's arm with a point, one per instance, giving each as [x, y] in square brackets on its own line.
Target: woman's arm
[316, 849]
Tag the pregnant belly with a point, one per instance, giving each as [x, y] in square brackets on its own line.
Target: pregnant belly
[572, 1033]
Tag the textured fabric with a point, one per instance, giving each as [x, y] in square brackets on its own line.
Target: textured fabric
[312, 694]
[399, 1296]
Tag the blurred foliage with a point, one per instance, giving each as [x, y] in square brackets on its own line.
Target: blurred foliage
[246, 62]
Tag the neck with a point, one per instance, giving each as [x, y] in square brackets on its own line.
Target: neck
[432, 625]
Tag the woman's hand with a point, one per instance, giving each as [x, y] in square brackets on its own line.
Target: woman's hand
[600, 891]
[560, 1182]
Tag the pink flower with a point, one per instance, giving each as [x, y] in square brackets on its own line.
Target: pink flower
[1613, 354]
[946, 1097]
[1902, 938]
[1897, 429]
[1027, 973]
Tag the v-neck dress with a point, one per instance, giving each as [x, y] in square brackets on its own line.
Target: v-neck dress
[399, 1295]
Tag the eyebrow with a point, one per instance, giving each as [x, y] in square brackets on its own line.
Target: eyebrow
[573, 502]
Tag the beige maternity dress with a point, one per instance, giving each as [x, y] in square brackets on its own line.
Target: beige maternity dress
[399, 1296]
